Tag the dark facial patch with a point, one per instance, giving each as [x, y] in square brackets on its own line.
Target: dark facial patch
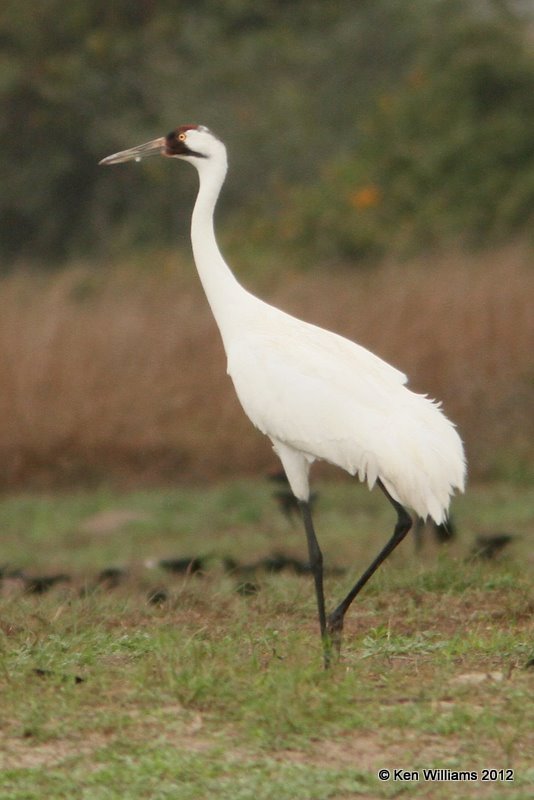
[176, 147]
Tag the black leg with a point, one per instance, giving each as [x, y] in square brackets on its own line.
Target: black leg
[404, 523]
[316, 566]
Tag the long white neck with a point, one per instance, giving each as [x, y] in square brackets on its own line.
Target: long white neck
[225, 295]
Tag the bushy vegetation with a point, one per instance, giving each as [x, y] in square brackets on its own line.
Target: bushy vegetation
[352, 127]
[445, 155]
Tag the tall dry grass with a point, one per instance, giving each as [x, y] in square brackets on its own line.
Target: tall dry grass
[122, 375]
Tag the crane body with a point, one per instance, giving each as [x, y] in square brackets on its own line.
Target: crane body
[315, 394]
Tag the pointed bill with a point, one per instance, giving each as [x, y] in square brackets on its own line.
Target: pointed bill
[154, 148]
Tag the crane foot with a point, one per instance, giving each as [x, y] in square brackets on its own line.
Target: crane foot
[333, 638]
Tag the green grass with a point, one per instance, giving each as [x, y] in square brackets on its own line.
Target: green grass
[212, 694]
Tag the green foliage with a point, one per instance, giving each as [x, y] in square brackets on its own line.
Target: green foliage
[81, 81]
[446, 155]
[290, 87]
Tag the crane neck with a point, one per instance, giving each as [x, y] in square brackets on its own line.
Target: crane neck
[220, 285]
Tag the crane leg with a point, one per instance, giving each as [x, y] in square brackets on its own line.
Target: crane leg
[334, 623]
[316, 566]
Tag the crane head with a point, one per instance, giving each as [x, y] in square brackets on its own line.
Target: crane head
[189, 142]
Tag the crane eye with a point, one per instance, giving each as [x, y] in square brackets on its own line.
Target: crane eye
[182, 137]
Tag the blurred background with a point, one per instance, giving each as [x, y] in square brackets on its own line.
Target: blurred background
[381, 184]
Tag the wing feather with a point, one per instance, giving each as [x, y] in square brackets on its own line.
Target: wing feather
[332, 399]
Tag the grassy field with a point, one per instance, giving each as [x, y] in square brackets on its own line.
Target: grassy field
[119, 372]
[215, 693]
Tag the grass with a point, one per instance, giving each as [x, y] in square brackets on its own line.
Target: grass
[211, 693]
[119, 373]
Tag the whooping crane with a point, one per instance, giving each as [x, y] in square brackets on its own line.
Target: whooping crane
[315, 394]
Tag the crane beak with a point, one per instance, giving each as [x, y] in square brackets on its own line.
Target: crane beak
[156, 147]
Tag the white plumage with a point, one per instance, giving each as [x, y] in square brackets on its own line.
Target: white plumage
[324, 397]
[315, 394]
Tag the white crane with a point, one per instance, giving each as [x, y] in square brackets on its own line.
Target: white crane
[315, 394]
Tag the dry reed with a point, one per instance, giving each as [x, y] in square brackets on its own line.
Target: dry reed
[122, 375]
